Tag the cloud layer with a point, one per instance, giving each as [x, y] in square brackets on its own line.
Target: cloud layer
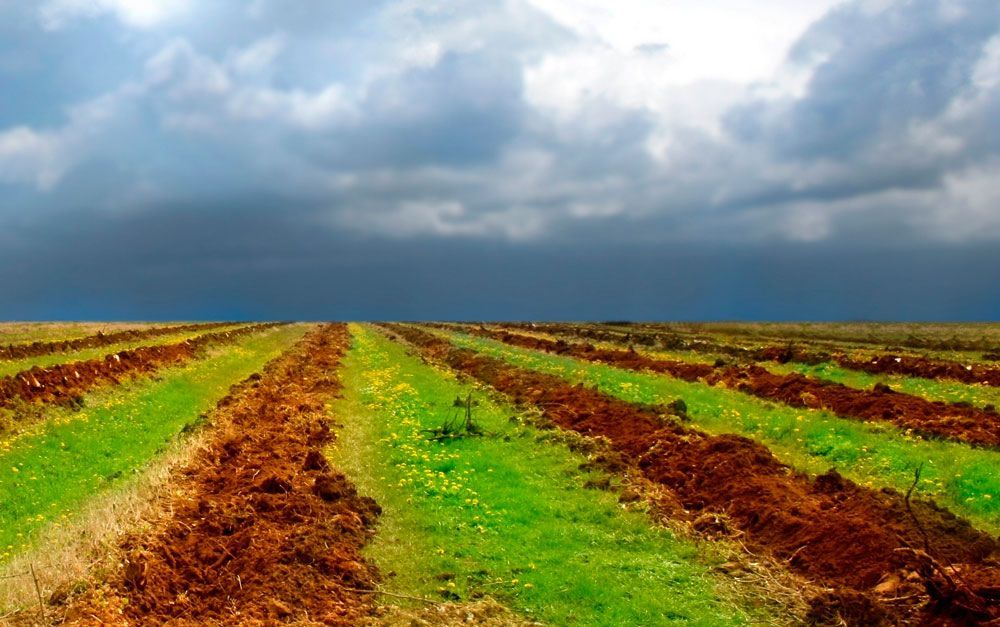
[515, 123]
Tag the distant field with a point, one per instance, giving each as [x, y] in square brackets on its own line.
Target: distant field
[25, 332]
[554, 473]
[942, 336]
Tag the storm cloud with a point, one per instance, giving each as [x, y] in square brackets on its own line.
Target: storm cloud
[524, 158]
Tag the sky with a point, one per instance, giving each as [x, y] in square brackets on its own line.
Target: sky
[512, 159]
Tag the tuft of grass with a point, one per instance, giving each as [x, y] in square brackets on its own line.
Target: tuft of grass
[506, 515]
[48, 473]
[962, 478]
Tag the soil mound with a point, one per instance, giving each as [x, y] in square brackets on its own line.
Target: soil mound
[260, 531]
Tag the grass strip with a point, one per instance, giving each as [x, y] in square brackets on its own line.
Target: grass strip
[15, 366]
[46, 474]
[505, 515]
[959, 477]
[945, 390]
[932, 389]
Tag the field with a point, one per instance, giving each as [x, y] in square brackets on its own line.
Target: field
[501, 474]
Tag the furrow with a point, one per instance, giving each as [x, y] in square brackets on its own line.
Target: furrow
[961, 423]
[67, 383]
[260, 529]
[35, 349]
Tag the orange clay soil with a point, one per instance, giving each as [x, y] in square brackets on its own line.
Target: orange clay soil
[884, 558]
[259, 529]
[67, 383]
[34, 349]
[959, 422]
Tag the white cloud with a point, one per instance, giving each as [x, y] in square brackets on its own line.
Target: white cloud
[259, 56]
[185, 74]
[27, 156]
[208, 94]
[728, 40]
[307, 110]
[43, 157]
[967, 207]
[590, 113]
[446, 218]
[56, 14]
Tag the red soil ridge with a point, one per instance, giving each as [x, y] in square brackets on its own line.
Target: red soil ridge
[962, 423]
[67, 383]
[34, 349]
[863, 544]
[261, 530]
[923, 367]
[888, 363]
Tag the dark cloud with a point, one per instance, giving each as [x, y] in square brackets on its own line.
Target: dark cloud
[459, 112]
[391, 160]
[251, 261]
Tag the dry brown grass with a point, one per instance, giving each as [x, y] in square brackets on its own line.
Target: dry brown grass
[67, 555]
[27, 332]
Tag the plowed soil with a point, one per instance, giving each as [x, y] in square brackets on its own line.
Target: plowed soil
[885, 559]
[923, 367]
[675, 341]
[34, 349]
[963, 423]
[887, 363]
[67, 383]
[260, 529]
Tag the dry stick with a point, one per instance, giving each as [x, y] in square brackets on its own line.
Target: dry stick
[38, 591]
[920, 528]
[392, 594]
[927, 545]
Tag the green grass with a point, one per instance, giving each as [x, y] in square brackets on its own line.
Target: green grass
[934, 390]
[962, 478]
[930, 389]
[15, 366]
[46, 473]
[504, 515]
